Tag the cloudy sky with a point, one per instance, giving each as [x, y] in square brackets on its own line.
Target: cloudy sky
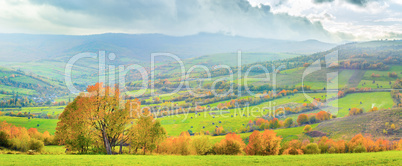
[325, 20]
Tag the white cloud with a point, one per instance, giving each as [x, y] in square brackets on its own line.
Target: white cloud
[362, 19]
[278, 19]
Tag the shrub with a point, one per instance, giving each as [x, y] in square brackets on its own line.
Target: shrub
[293, 148]
[47, 138]
[254, 146]
[20, 144]
[356, 141]
[34, 133]
[340, 146]
[266, 143]
[219, 131]
[312, 119]
[202, 145]
[355, 111]
[270, 143]
[302, 119]
[307, 129]
[312, 148]
[323, 115]
[332, 150]
[359, 149]
[4, 140]
[36, 145]
[231, 145]
[393, 74]
[381, 145]
[176, 145]
[373, 109]
[288, 122]
[324, 144]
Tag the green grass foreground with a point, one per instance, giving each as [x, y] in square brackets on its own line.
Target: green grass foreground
[379, 158]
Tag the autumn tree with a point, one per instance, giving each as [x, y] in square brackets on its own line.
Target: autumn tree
[47, 138]
[177, 145]
[356, 144]
[312, 148]
[288, 122]
[307, 129]
[254, 146]
[293, 148]
[146, 134]
[74, 130]
[231, 145]
[93, 116]
[270, 143]
[323, 115]
[202, 145]
[302, 119]
[266, 143]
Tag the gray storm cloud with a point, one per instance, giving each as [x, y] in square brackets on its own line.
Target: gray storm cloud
[322, 1]
[184, 17]
[355, 2]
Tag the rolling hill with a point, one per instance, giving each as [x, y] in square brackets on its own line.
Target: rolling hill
[372, 123]
[139, 46]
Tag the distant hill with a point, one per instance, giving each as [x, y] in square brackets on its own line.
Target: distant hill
[35, 87]
[138, 47]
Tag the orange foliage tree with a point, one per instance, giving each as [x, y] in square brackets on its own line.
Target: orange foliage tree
[355, 111]
[323, 115]
[266, 143]
[93, 117]
[231, 145]
[176, 145]
[146, 133]
[293, 148]
[302, 119]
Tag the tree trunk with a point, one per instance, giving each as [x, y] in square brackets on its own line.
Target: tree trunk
[106, 142]
[121, 147]
[121, 144]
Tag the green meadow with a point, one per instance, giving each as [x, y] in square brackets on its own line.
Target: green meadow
[21, 91]
[381, 100]
[383, 75]
[380, 158]
[41, 124]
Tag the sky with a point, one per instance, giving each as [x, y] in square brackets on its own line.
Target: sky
[324, 20]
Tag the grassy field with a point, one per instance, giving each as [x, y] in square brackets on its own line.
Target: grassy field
[340, 81]
[44, 124]
[22, 91]
[287, 134]
[175, 124]
[52, 110]
[381, 100]
[376, 85]
[208, 121]
[381, 158]
[383, 74]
